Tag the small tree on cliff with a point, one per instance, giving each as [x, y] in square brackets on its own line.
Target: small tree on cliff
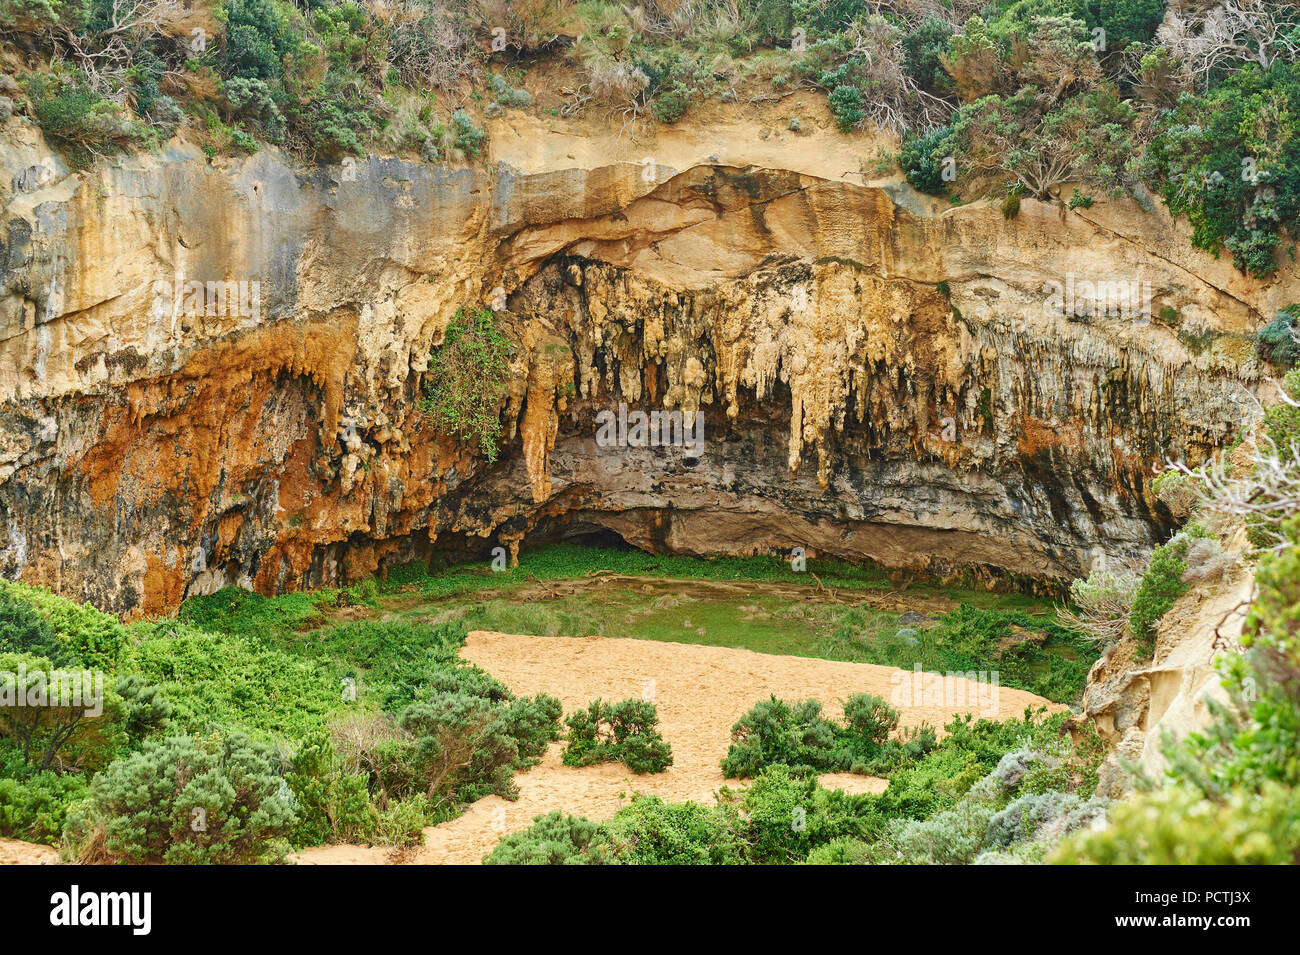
[467, 380]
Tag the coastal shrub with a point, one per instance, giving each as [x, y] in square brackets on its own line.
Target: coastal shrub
[1279, 341]
[85, 637]
[552, 839]
[461, 748]
[922, 156]
[35, 808]
[1100, 605]
[1161, 586]
[333, 804]
[79, 121]
[1227, 161]
[625, 732]
[797, 736]
[1207, 562]
[789, 815]
[650, 831]
[1178, 826]
[466, 382]
[468, 137]
[773, 731]
[206, 800]
[1176, 491]
[23, 630]
[44, 728]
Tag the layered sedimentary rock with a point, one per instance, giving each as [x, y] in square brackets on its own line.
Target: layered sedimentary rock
[880, 375]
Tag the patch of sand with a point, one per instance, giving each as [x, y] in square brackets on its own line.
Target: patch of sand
[16, 852]
[700, 692]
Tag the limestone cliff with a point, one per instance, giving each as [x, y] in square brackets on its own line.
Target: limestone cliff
[881, 375]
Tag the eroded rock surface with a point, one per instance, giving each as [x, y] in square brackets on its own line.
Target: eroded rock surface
[879, 374]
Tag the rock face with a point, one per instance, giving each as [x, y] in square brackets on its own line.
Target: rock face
[1137, 707]
[209, 372]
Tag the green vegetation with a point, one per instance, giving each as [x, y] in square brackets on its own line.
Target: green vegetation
[800, 738]
[989, 791]
[181, 800]
[625, 732]
[1229, 160]
[1159, 588]
[466, 383]
[284, 729]
[1278, 341]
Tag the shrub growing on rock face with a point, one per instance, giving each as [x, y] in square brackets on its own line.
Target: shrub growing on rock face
[625, 732]
[210, 800]
[1101, 604]
[467, 380]
[1161, 586]
[922, 159]
[1279, 340]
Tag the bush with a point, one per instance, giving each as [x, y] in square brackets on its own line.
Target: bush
[671, 104]
[1207, 562]
[1177, 826]
[46, 728]
[1203, 152]
[257, 37]
[774, 731]
[848, 104]
[212, 800]
[23, 630]
[1129, 21]
[650, 831]
[275, 693]
[1159, 589]
[35, 809]
[85, 636]
[553, 839]
[625, 732]
[790, 815]
[922, 159]
[797, 736]
[1176, 491]
[467, 380]
[1101, 605]
[1279, 341]
[79, 122]
[469, 138]
[461, 747]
